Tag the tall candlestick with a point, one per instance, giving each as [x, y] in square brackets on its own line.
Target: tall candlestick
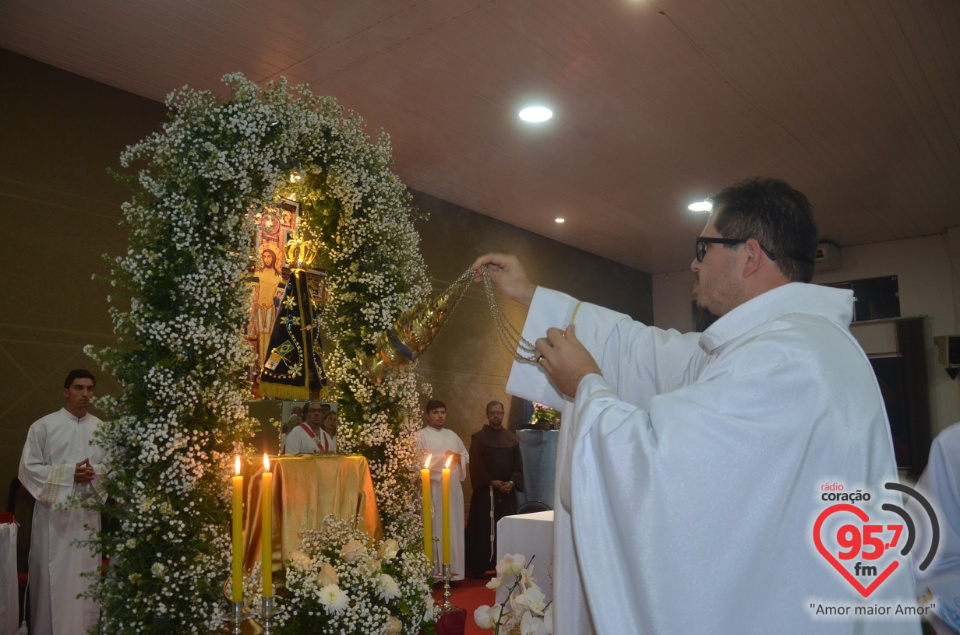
[266, 528]
[427, 518]
[445, 510]
[237, 594]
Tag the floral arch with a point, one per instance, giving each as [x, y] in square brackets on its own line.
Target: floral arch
[180, 298]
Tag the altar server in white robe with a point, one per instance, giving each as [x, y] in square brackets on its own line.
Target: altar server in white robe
[442, 444]
[690, 467]
[59, 461]
[939, 580]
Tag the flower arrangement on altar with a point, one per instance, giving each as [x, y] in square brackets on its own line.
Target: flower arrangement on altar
[544, 417]
[178, 303]
[524, 610]
[342, 581]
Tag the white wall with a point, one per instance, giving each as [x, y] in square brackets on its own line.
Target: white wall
[928, 273]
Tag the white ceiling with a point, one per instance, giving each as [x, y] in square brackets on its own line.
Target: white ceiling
[658, 103]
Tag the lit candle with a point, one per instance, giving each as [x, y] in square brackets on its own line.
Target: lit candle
[427, 520]
[445, 510]
[266, 529]
[238, 534]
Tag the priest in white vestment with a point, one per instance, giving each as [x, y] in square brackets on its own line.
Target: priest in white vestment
[60, 461]
[442, 444]
[690, 467]
[939, 580]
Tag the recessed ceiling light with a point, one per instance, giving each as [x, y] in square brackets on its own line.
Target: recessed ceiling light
[559, 220]
[700, 206]
[536, 114]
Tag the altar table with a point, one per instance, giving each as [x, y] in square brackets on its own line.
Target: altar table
[9, 593]
[305, 490]
[530, 535]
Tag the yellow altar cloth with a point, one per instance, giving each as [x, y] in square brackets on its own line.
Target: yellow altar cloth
[305, 490]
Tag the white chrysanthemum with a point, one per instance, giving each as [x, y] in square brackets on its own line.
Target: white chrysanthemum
[333, 598]
[389, 589]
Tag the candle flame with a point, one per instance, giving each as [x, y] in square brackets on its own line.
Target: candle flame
[449, 461]
[426, 464]
[237, 465]
[266, 462]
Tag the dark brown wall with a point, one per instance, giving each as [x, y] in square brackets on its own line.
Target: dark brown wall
[467, 366]
[60, 211]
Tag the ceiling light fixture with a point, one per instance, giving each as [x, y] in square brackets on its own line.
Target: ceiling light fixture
[536, 114]
[700, 206]
[559, 220]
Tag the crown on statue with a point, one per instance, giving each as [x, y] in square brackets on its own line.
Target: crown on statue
[300, 252]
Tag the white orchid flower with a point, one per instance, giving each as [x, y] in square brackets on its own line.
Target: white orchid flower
[531, 625]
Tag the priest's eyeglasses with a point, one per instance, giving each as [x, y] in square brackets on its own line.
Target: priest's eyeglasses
[703, 241]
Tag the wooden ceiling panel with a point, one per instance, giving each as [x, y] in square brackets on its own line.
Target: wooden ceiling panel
[856, 103]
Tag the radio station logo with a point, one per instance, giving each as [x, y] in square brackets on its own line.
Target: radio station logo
[866, 550]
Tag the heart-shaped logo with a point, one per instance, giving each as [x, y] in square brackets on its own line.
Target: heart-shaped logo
[862, 515]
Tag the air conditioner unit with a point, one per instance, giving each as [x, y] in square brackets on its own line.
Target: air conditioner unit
[828, 257]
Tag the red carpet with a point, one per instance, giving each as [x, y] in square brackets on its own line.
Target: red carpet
[468, 594]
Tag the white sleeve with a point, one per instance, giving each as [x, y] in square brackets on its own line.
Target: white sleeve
[48, 483]
[464, 459]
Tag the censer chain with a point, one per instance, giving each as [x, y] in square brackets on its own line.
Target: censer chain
[506, 331]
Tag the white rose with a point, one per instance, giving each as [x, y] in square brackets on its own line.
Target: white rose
[327, 575]
[352, 550]
[389, 549]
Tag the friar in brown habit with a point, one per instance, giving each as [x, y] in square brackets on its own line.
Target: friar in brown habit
[496, 474]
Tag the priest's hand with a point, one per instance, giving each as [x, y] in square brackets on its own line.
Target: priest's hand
[565, 360]
[84, 472]
[507, 274]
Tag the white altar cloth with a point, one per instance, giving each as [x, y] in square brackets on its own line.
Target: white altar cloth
[9, 594]
[531, 535]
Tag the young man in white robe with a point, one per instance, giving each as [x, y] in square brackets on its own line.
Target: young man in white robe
[690, 467]
[60, 461]
[443, 445]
